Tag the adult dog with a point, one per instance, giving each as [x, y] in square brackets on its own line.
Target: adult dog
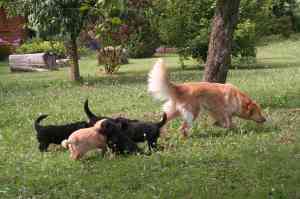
[222, 101]
[86, 139]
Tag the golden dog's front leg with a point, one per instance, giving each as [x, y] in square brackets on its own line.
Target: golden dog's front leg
[225, 122]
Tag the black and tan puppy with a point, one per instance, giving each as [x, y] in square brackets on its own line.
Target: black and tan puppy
[140, 131]
[55, 134]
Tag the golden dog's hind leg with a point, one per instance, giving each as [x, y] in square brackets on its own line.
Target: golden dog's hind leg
[184, 128]
[188, 118]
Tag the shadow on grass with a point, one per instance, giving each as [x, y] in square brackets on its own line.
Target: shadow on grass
[245, 129]
[139, 77]
[179, 74]
[264, 64]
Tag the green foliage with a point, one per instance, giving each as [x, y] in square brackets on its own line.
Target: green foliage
[244, 44]
[270, 16]
[143, 33]
[142, 43]
[182, 21]
[53, 47]
[41, 46]
[128, 23]
[185, 24]
[189, 31]
[259, 13]
[196, 48]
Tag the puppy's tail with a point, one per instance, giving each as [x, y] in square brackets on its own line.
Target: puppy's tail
[65, 143]
[163, 121]
[88, 112]
[159, 84]
[37, 125]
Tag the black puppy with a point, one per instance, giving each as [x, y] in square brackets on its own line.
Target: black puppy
[55, 134]
[139, 131]
[116, 140]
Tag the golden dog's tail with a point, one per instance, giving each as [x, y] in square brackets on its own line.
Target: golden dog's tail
[159, 84]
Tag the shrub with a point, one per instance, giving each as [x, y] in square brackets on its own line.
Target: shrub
[244, 40]
[40, 46]
[143, 44]
[197, 47]
[53, 47]
[112, 58]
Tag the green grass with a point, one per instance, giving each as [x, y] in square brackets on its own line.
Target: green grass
[252, 161]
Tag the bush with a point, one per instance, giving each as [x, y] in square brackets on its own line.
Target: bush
[142, 45]
[244, 40]
[40, 46]
[197, 48]
[283, 25]
[112, 58]
[53, 47]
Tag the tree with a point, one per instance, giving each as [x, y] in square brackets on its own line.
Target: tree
[219, 51]
[189, 31]
[60, 18]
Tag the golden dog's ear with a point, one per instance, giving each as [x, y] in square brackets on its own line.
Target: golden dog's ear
[250, 108]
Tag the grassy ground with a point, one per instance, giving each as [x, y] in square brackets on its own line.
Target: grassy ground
[249, 162]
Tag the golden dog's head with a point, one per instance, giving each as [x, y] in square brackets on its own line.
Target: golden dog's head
[253, 112]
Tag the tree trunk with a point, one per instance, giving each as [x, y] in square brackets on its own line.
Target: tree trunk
[74, 69]
[219, 51]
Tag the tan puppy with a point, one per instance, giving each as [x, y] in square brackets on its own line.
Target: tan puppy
[222, 101]
[84, 140]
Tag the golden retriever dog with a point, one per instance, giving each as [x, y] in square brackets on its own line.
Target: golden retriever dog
[84, 140]
[222, 101]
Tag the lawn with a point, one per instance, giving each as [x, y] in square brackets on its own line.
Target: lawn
[251, 161]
